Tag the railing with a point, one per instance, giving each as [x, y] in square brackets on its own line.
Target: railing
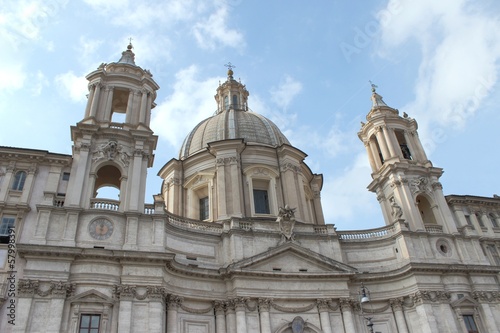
[116, 125]
[104, 204]
[354, 235]
[149, 209]
[193, 224]
[58, 202]
[434, 228]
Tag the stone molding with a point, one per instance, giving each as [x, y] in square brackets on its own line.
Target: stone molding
[486, 296]
[54, 289]
[226, 161]
[290, 166]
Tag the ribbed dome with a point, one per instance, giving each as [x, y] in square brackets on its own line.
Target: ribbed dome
[232, 124]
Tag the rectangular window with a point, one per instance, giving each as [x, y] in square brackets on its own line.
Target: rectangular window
[204, 209]
[65, 176]
[89, 323]
[470, 324]
[7, 223]
[261, 202]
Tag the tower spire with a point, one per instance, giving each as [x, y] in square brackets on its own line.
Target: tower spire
[128, 57]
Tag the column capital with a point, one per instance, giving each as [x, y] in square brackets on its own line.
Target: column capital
[173, 302]
[264, 304]
[323, 304]
[397, 303]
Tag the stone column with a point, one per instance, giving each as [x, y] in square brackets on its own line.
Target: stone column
[397, 308]
[419, 146]
[109, 103]
[76, 184]
[235, 186]
[346, 308]
[130, 109]
[134, 189]
[425, 313]
[89, 100]
[324, 315]
[394, 139]
[370, 155]
[220, 317]
[265, 321]
[415, 153]
[95, 100]
[6, 182]
[221, 188]
[230, 317]
[382, 144]
[173, 303]
[375, 154]
[241, 320]
[28, 184]
[144, 100]
[148, 110]
[390, 144]
[125, 316]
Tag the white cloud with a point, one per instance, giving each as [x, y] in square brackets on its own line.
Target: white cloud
[39, 82]
[12, 76]
[191, 102]
[283, 94]
[214, 31]
[460, 48]
[24, 20]
[72, 86]
[346, 196]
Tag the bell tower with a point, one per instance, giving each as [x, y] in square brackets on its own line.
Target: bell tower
[113, 145]
[405, 181]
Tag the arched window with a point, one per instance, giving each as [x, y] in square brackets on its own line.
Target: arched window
[107, 184]
[226, 103]
[235, 101]
[19, 179]
[425, 209]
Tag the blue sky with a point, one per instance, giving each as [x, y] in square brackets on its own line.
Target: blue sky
[306, 66]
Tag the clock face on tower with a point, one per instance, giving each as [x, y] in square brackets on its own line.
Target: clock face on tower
[101, 229]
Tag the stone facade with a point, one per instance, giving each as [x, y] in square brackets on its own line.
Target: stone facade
[236, 241]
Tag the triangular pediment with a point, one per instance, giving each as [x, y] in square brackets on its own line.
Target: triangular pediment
[290, 258]
[464, 302]
[91, 296]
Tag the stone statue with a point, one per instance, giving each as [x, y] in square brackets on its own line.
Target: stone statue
[396, 212]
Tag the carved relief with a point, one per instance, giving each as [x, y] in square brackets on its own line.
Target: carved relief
[56, 289]
[419, 185]
[139, 292]
[226, 160]
[286, 220]
[289, 166]
[110, 151]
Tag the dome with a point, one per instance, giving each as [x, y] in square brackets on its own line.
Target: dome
[233, 120]
[232, 124]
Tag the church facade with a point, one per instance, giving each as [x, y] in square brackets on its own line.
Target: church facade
[236, 241]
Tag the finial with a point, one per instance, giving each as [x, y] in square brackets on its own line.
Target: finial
[230, 69]
[374, 87]
[130, 46]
